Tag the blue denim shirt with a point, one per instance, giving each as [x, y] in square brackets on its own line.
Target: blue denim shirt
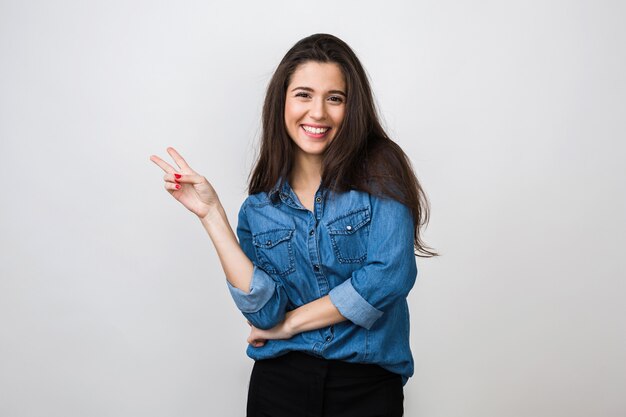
[356, 247]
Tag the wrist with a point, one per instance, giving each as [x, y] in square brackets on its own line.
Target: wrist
[214, 213]
[289, 326]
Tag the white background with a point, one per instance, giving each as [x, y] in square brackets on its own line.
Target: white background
[112, 301]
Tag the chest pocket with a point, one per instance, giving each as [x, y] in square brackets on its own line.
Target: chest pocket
[274, 251]
[349, 234]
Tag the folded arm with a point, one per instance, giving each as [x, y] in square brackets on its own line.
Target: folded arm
[311, 316]
[387, 276]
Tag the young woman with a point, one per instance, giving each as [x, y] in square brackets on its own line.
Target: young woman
[327, 242]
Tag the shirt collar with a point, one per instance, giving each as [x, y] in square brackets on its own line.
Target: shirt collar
[282, 191]
[279, 191]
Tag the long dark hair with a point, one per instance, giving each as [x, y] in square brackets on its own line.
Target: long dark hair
[360, 157]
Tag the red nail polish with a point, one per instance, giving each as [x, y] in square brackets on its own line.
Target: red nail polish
[177, 175]
[177, 186]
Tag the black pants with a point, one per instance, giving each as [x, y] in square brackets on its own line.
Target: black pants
[300, 385]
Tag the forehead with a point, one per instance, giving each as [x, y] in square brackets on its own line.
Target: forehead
[318, 76]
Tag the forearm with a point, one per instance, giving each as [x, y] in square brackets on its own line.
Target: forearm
[236, 265]
[314, 315]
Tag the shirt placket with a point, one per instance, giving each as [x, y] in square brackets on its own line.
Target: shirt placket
[318, 271]
[314, 256]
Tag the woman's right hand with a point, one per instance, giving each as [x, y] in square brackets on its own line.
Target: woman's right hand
[187, 186]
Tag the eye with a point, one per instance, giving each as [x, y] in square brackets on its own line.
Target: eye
[336, 99]
[302, 94]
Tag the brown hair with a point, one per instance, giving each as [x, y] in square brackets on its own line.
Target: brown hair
[361, 157]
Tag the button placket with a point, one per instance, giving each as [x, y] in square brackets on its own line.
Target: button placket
[318, 206]
[330, 334]
[314, 256]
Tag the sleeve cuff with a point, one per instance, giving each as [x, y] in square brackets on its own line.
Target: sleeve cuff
[352, 306]
[262, 288]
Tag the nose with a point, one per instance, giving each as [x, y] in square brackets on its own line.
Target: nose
[317, 110]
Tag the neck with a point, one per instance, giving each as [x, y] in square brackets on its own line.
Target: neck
[306, 172]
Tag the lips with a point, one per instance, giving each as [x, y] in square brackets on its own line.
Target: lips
[315, 131]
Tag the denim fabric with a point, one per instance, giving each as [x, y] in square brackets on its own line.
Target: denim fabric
[355, 247]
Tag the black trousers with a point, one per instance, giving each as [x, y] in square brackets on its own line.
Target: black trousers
[300, 385]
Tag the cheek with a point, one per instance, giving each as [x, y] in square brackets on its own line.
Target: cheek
[339, 115]
[292, 113]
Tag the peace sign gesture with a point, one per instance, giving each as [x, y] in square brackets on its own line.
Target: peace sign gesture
[187, 186]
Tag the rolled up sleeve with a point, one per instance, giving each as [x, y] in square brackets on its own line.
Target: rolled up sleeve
[389, 271]
[262, 288]
[265, 305]
[352, 306]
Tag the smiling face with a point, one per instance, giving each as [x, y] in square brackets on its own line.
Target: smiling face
[314, 107]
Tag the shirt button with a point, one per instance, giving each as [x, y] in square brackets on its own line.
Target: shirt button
[318, 199]
[316, 268]
[312, 232]
[328, 338]
[348, 228]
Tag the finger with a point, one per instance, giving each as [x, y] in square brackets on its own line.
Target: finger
[178, 159]
[161, 163]
[184, 178]
[256, 343]
[170, 186]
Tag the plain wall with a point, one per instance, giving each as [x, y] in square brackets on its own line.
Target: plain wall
[112, 300]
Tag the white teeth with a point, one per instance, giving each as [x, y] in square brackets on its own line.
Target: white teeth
[315, 130]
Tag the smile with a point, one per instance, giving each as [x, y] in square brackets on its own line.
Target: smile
[315, 131]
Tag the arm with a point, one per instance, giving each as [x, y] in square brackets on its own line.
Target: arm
[389, 271]
[265, 303]
[314, 315]
[236, 265]
[387, 276]
[252, 288]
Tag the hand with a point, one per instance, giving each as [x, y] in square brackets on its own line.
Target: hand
[258, 337]
[194, 191]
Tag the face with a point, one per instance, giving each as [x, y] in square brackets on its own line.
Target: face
[315, 106]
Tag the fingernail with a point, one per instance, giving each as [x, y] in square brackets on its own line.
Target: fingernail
[177, 175]
[177, 186]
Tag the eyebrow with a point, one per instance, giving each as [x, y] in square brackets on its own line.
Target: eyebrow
[312, 91]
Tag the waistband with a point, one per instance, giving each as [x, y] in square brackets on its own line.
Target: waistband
[304, 362]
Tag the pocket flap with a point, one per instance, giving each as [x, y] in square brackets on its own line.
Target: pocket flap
[349, 223]
[271, 238]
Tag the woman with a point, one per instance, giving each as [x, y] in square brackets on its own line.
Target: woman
[327, 242]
